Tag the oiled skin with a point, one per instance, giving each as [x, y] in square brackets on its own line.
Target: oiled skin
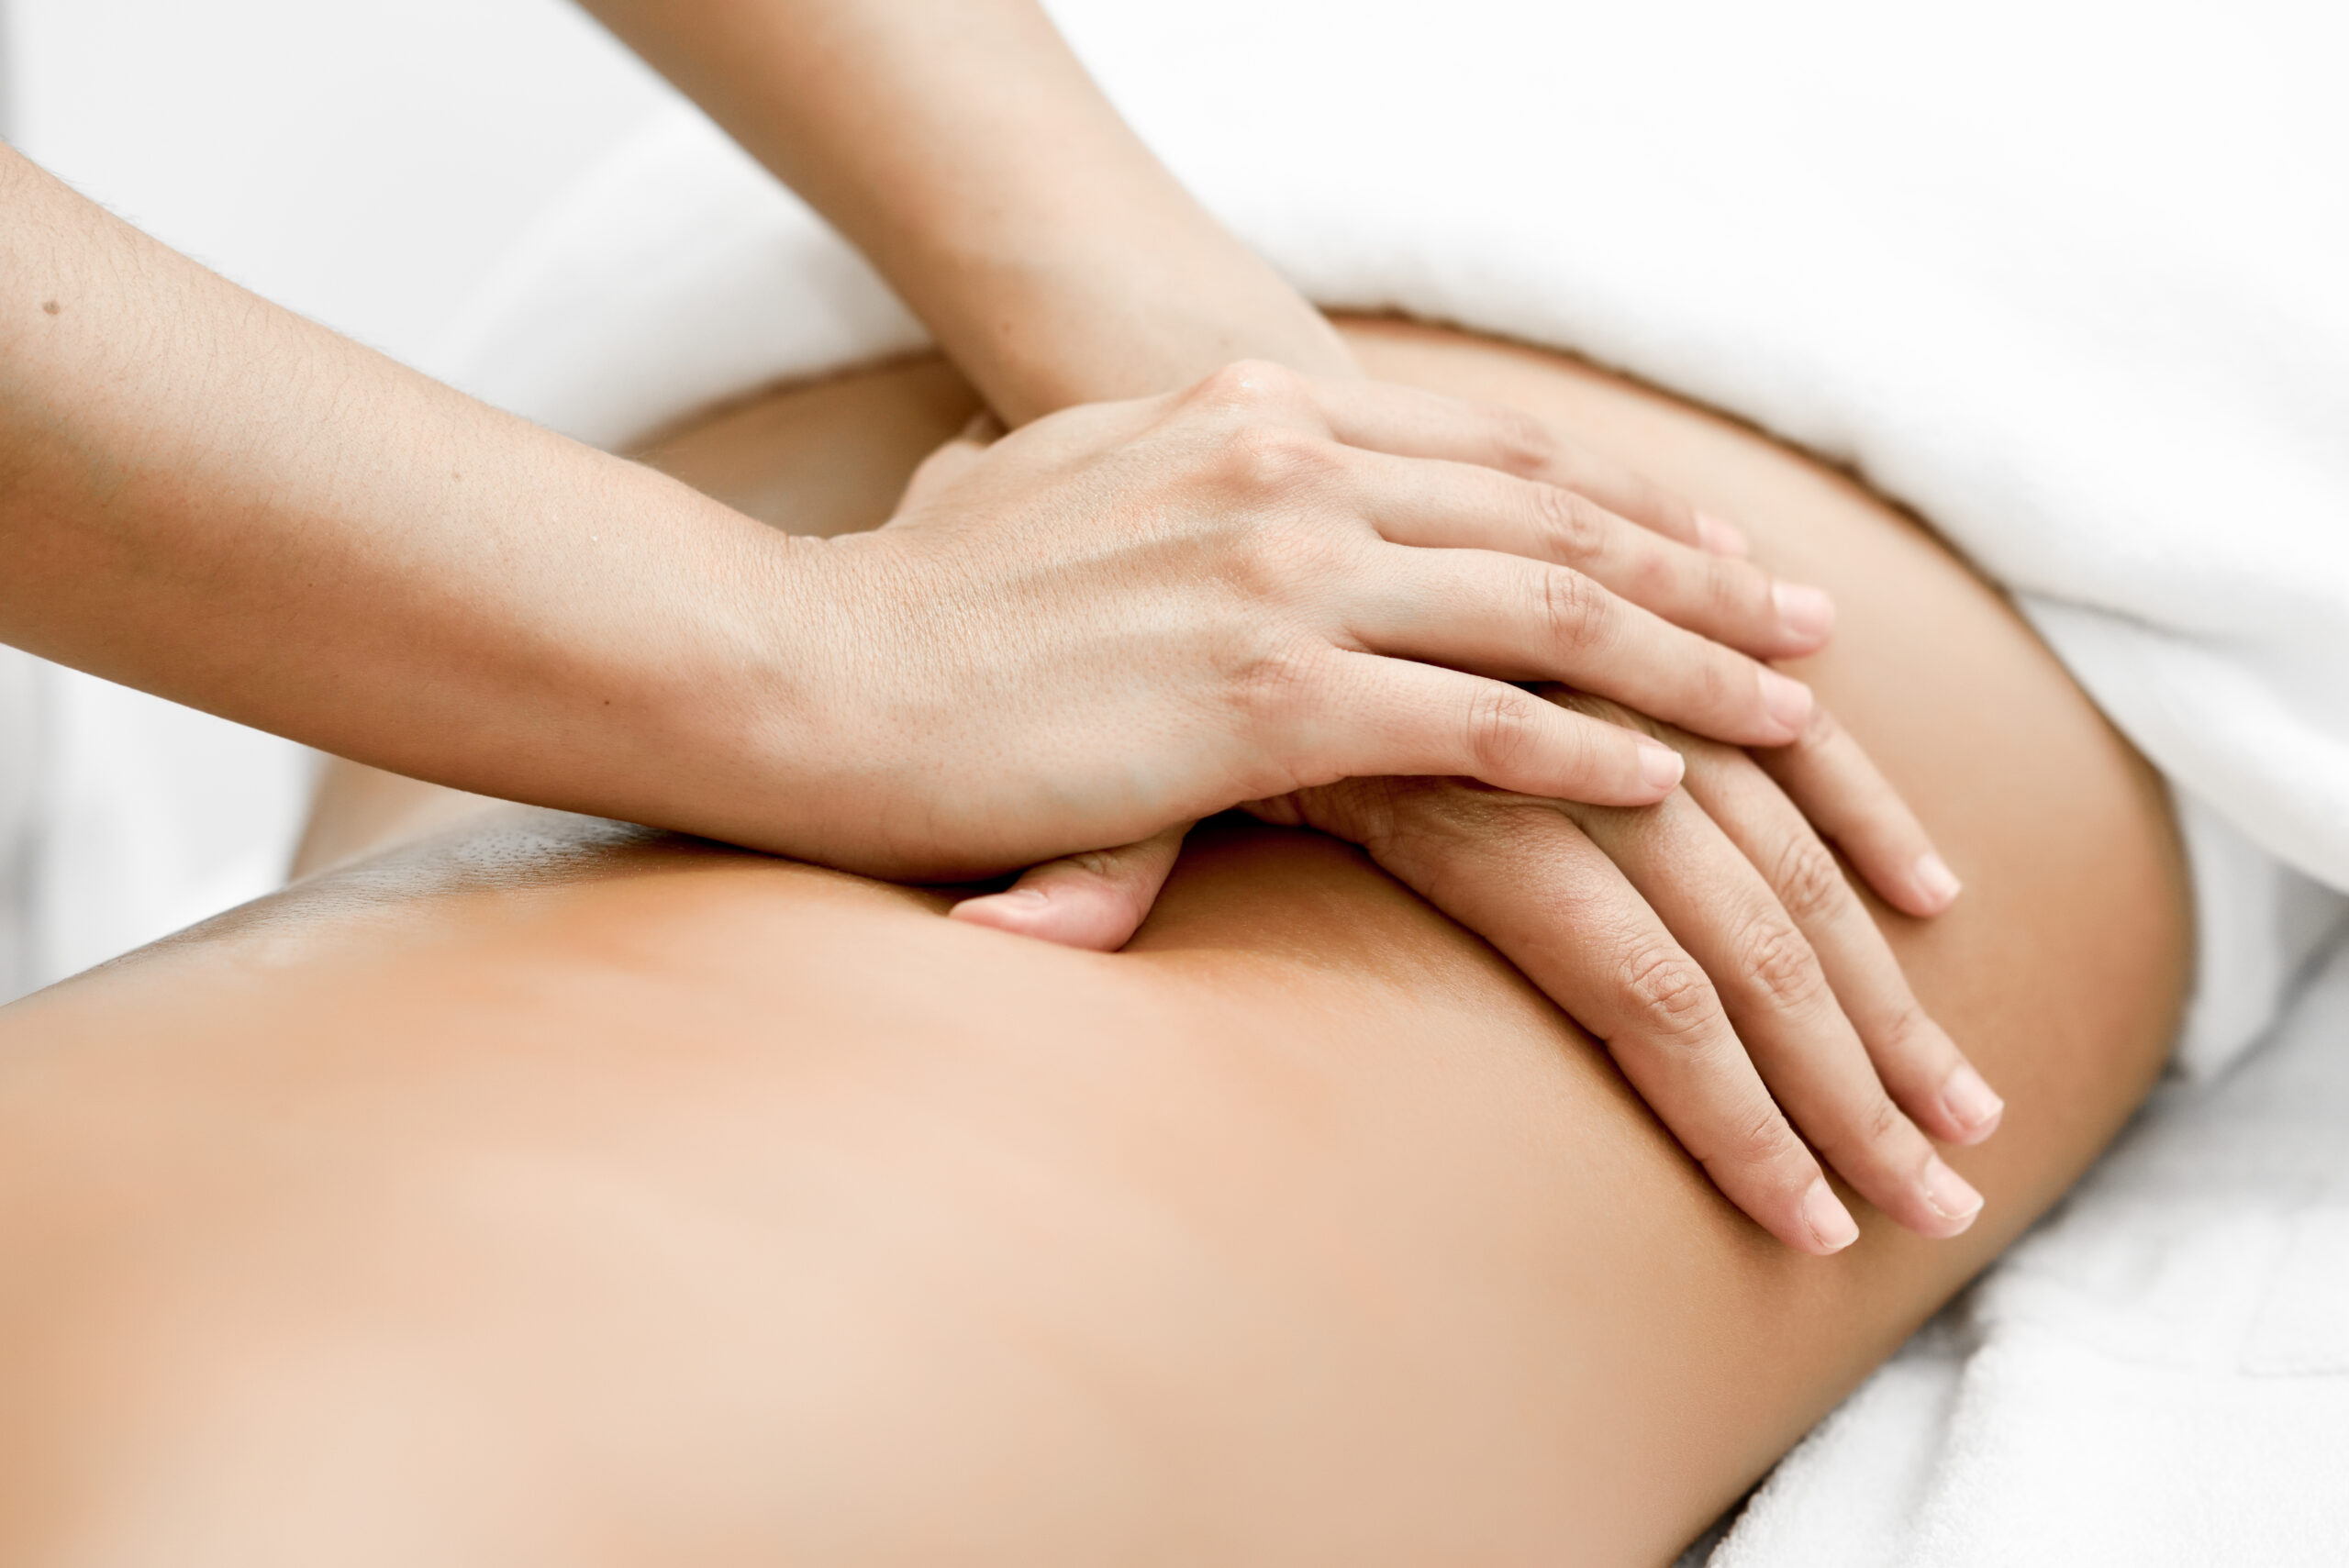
[552, 1192]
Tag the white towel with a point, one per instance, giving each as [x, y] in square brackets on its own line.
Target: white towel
[2158, 1374]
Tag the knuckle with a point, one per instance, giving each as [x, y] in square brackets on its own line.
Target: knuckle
[1372, 812]
[1272, 687]
[1670, 992]
[1907, 1033]
[1726, 683]
[1266, 460]
[1573, 608]
[1244, 386]
[1808, 881]
[1775, 962]
[1739, 592]
[1447, 838]
[1879, 1121]
[1717, 686]
[1523, 444]
[1503, 729]
[1758, 1140]
[1361, 809]
[1665, 577]
[1566, 526]
[1820, 732]
[1446, 807]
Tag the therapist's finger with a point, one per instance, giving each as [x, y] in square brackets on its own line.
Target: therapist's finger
[1460, 506]
[1095, 900]
[1921, 1067]
[1827, 773]
[1361, 716]
[1808, 980]
[1522, 876]
[1424, 424]
[1519, 619]
[1777, 994]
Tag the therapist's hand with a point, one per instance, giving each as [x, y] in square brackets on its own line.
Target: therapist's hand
[1713, 944]
[1127, 616]
[1640, 540]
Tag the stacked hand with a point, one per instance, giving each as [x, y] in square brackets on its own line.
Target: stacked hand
[1705, 932]
[1133, 614]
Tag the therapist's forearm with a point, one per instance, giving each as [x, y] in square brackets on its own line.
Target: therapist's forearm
[207, 497]
[960, 146]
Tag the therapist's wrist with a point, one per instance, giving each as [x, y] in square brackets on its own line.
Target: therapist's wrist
[1074, 312]
[742, 724]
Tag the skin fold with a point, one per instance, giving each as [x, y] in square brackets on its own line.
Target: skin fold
[530, 1189]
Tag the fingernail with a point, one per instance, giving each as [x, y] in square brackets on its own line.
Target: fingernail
[1720, 537]
[1660, 765]
[1950, 1195]
[1803, 610]
[1971, 1103]
[1829, 1220]
[1789, 701]
[1937, 882]
[1025, 898]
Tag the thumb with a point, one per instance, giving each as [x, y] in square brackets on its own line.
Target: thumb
[1096, 900]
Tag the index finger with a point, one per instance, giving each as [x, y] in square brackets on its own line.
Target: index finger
[1777, 997]
[1406, 422]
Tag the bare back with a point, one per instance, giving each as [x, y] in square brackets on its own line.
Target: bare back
[546, 1190]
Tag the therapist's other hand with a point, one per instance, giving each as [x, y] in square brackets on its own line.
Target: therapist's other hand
[1713, 944]
[1127, 615]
